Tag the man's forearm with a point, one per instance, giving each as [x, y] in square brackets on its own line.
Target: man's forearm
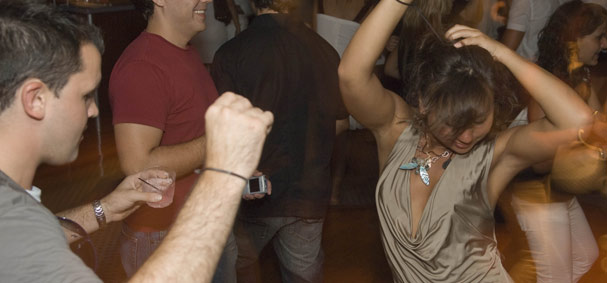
[512, 38]
[191, 250]
[84, 216]
[183, 158]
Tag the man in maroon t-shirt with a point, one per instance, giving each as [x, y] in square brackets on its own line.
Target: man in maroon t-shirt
[159, 92]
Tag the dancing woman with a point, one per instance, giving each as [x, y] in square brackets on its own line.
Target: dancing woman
[445, 160]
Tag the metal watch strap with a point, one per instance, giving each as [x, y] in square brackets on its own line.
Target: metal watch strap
[99, 213]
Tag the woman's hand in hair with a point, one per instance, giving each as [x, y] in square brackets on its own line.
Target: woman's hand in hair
[463, 36]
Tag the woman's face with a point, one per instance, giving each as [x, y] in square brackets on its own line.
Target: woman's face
[464, 142]
[589, 46]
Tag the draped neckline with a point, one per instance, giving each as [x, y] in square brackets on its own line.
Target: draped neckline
[434, 188]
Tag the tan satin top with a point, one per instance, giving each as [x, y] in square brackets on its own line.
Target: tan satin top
[455, 241]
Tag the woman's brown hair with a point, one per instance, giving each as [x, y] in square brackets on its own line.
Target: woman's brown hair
[459, 87]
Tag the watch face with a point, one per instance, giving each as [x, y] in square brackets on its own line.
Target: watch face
[99, 214]
[98, 209]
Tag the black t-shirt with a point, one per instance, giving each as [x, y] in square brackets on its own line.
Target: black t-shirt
[283, 66]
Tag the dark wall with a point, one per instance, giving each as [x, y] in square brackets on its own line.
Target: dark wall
[118, 29]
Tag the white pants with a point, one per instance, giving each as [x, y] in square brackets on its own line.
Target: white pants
[560, 239]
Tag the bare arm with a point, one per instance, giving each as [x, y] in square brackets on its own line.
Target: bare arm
[363, 94]
[119, 204]
[565, 110]
[518, 21]
[208, 214]
[534, 113]
[236, 132]
[512, 38]
[139, 147]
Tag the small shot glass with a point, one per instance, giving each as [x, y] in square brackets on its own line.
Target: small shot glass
[153, 181]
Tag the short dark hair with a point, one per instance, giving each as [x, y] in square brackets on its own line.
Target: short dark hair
[277, 5]
[39, 41]
[145, 7]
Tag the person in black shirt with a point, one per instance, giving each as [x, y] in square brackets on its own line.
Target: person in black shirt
[283, 66]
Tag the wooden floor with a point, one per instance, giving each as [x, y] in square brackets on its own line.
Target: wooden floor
[351, 234]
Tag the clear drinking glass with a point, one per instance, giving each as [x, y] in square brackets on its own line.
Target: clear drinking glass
[152, 182]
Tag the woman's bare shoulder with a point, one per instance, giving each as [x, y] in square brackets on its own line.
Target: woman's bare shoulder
[387, 135]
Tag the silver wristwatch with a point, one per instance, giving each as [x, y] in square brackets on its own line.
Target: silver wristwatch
[99, 213]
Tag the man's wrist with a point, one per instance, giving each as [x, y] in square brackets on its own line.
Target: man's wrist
[99, 214]
[227, 172]
[230, 183]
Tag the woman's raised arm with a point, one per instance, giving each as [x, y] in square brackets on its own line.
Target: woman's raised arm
[363, 94]
[561, 104]
[565, 110]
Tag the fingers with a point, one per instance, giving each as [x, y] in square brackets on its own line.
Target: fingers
[239, 103]
[466, 36]
[235, 133]
[231, 99]
[462, 32]
[269, 184]
[259, 196]
[153, 173]
[266, 117]
[134, 197]
[124, 200]
[253, 196]
[234, 101]
[392, 43]
[147, 197]
[467, 42]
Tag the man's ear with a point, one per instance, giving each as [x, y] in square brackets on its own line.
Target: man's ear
[34, 95]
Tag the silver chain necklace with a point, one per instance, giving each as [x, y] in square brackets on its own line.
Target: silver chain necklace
[422, 165]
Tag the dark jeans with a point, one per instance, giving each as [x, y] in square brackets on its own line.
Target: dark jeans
[296, 241]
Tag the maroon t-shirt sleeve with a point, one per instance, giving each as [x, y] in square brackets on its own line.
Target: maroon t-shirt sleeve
[139, 94]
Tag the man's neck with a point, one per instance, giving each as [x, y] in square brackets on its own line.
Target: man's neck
[164, 29]
[20, 147]
[20, 169]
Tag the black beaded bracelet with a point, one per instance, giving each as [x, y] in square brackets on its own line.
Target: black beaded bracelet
[225, 172]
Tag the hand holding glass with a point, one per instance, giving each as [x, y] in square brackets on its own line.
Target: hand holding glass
[165, 186]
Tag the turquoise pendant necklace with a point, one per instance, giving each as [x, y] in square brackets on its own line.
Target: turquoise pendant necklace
[422, 165]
